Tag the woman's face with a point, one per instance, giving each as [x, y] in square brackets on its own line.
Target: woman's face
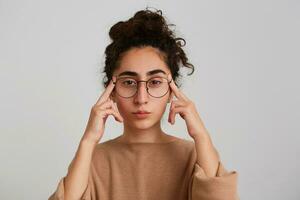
[141, 61]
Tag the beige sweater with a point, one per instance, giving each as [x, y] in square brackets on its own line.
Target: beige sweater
[152, 171]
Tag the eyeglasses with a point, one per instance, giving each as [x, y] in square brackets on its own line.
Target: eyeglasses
[127, 87]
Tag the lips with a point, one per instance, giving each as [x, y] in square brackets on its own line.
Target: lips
[141, 112]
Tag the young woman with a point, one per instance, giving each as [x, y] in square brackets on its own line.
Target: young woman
[142, 68]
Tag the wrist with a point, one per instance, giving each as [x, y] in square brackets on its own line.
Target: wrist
[88, 143]
[201, 137]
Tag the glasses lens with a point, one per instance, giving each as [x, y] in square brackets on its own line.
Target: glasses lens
[158, 86]
[127, 87]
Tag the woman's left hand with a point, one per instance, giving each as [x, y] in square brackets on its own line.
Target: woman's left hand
[187, 110]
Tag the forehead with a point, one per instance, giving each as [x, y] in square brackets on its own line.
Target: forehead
[142, 62]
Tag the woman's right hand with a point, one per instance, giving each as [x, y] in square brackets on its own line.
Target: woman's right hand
[99, 114]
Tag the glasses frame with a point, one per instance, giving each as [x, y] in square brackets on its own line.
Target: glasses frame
[146, 86]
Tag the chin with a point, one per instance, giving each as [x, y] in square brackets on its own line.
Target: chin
[142, 124]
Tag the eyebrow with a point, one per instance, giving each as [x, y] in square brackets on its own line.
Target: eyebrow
[131, 73]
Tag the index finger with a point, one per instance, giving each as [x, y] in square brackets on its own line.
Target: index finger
[105, 95]
[175, 89]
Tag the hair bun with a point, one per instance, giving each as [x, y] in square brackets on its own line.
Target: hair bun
[143, 24]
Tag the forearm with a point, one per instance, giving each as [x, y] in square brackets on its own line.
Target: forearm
[76, 180]
[207, 155]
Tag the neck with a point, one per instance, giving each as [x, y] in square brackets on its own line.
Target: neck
[149, 135]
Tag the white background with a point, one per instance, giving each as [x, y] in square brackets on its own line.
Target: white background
[245, 87]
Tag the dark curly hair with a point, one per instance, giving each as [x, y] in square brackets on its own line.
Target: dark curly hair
[145, 28]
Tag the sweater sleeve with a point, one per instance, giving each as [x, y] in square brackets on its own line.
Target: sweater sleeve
[221, 187]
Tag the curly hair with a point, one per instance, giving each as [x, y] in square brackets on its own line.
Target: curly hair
[145, 28]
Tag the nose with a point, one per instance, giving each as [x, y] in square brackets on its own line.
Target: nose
[141, 95]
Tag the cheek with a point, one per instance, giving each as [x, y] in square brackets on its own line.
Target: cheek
[160, 106]
[123, 108]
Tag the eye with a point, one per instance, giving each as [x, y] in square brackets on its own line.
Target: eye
[155, 82]
[128, 82]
